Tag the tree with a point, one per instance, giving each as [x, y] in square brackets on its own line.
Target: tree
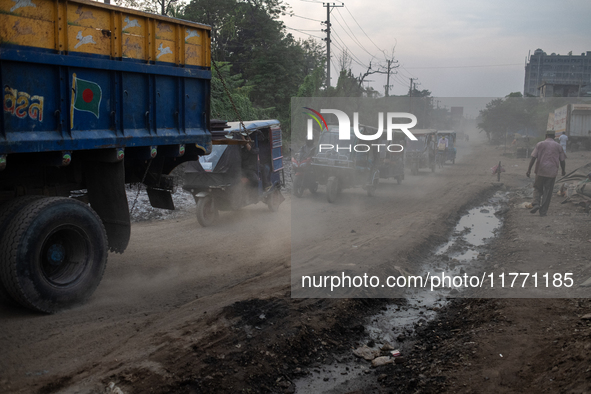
[163, 7]
[272, 64]
[221, 104]
[513, 114]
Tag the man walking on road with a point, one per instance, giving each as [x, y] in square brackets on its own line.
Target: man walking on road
[563, 138]
[549, 156]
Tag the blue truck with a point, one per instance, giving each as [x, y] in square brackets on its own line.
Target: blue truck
[94, 97]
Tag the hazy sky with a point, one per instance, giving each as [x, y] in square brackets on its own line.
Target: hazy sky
[456, 48]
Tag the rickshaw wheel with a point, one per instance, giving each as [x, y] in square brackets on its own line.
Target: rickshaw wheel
[298, 185]
[207, 213]
[332, 189]
[371, 190]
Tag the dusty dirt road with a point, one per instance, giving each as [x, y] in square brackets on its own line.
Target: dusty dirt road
[180, 311]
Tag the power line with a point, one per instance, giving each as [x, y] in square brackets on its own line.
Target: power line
[303, 17]
[408, 74]
[358, 61]
[488, 65]
[353, 57]
[347, 8]
[355, 39]
[303, 32]
[398, 80]
[291, 28]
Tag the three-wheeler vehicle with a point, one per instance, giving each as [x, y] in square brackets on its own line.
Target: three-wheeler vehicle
[245, 167]
[341, 164]
[301, 166]
[422, 152]
[450, 152]
[392, 159]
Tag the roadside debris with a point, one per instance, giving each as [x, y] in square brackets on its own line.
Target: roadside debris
[113, 389]
[383, 360]
[366, 352]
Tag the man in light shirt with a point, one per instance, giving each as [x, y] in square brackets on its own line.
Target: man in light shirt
[563, 138]
[443, 143]
[548, 156]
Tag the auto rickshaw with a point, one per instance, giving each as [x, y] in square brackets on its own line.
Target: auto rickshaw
[422, 152]
[450, 152]
[244, 167]
[392, 160]
[338, 165]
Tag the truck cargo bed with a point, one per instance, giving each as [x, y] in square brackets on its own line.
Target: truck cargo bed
[81, 75]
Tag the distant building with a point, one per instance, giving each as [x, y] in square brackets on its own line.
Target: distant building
[558, 75]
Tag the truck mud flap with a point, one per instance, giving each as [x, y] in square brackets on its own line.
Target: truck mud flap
[160, 198]
[105, 183]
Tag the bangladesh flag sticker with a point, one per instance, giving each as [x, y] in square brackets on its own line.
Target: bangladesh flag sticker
[86, 96]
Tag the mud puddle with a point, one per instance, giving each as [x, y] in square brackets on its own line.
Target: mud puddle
[395, 325]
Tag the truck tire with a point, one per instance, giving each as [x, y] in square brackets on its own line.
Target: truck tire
[298, 185]
[332, 189]
[53, 254]
[7, 212]
[207, 213]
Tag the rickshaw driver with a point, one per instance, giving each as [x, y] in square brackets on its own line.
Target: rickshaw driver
[250, 159]
[443, 143]
[442, 146]
[249, 156]
[307, 150]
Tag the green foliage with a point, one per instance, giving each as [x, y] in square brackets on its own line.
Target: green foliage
[420, 93]
[504, 117]
[171, 7]
[271, 64]
[312, 83]
[221, 105]
[347, 86]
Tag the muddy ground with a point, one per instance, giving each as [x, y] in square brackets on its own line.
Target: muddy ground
[195, 310]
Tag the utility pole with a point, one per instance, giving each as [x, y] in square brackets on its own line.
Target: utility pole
[410, 92]
[389, 70]
[328, 6]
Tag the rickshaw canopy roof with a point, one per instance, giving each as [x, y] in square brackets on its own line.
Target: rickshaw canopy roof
[251, 125]
[219, 136]
[422, 131]
[446, 132]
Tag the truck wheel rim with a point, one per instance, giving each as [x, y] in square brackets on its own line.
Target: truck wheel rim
[64, 256]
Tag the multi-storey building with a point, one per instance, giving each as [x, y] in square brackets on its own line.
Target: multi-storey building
[558, 75]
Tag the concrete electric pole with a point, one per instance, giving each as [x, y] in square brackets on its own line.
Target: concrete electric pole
[328, 7]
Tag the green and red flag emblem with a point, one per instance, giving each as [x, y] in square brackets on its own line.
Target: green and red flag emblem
[87, 96]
